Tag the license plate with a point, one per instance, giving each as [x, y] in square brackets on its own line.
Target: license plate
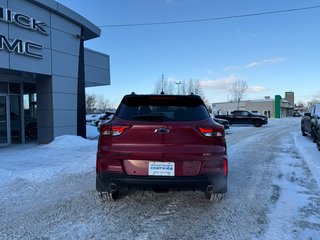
[161, 169]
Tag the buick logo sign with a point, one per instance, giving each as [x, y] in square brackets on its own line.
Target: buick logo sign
[22, 20]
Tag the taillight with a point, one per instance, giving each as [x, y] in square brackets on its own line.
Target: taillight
[110, 130]
[211, 131]
[225, 167]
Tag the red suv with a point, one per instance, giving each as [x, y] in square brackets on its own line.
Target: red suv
[162, 142]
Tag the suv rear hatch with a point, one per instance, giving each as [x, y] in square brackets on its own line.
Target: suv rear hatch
[175, 131]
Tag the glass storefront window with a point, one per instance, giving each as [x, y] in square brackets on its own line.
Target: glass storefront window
[3, 87]
[15, 119]
[14, 88]
[30, 111]
[3, 120]
[18, 113]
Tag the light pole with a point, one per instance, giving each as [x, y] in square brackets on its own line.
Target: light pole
[178, 83]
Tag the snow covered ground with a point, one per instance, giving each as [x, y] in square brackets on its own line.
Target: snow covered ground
[48, 192]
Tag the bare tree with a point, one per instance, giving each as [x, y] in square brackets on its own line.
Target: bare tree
[164, 85]
[102, 103]
[197, 88]
[158, 86]
[313, 101]
[96, 103]
[300, 103]
[185, 87]
[238, 90]
[90, 102]
[170, 88]
[190, 86]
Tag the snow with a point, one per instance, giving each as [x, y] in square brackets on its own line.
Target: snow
[32, 162]
[92, 132]
[47, 192]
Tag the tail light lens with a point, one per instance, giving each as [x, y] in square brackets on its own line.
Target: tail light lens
[110, 130]
[225, 167]
[211, 131]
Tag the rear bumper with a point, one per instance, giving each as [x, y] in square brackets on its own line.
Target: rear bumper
[196, 183]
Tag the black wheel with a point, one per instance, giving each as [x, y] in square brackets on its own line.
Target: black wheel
[318, 144]
[313, 135]
[303, 132]
[214, 197]
[257, 123]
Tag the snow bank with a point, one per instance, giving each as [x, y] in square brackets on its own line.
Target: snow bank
[33, 162]
[92, 132]
[68, 141]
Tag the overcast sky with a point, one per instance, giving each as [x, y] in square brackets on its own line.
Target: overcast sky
[273, 53]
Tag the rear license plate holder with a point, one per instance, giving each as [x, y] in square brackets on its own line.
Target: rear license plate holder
[161, 169]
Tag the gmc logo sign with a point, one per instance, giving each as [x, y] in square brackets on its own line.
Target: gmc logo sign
[21, 47]
[17, 45]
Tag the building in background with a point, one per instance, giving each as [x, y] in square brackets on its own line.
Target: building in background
[44, 69]
[276, 107]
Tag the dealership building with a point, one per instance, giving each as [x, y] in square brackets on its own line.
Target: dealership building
[44, 69]
[277, 107]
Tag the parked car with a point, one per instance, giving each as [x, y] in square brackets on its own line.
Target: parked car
[296, 114]
[104, 118]
[223, 122]
[162, 142]
[92, 118]
[318, 136]
[310, 122]
[245, 117]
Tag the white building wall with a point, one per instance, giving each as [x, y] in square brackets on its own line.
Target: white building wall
[262, 106]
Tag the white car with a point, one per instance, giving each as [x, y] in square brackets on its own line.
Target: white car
[105, 119]
[92, 118]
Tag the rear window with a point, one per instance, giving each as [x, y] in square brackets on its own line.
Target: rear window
[168, 108]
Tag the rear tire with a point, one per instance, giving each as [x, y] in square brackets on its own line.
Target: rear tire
[303, 131]
[313, 135]
[257, 123]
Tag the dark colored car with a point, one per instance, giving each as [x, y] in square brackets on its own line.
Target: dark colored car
[162, 142]
[310, 122]
[223, 122]
[296, 114]
[318, 136]
[245, 117]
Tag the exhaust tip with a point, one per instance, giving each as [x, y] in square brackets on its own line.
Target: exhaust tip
[209, 189]
[113, 187]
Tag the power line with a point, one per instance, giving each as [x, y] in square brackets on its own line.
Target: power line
[209, 19]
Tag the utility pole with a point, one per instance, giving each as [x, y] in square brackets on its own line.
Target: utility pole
[178, 83]
[162, 81]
